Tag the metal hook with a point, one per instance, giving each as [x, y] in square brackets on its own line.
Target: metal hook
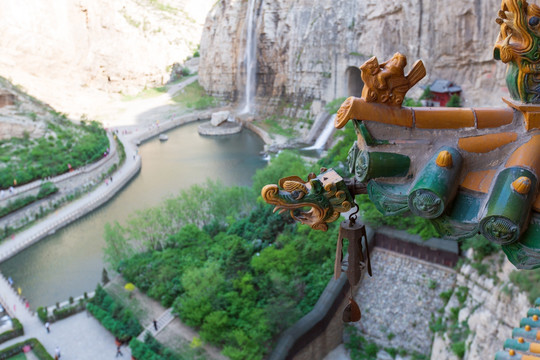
[353, 217]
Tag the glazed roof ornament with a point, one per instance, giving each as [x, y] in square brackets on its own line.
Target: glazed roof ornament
[467, 170]
[525, 341]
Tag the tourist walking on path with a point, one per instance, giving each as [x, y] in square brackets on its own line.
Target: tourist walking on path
[155, 324]
[48, 327]
[118, 346]
[57, 353]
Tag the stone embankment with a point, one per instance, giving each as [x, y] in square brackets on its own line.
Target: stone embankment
[397, 302]
[138, 137]
[226, 128]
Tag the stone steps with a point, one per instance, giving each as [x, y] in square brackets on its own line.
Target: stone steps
[162, 322]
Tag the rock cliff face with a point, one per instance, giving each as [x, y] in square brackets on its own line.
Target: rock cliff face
[491, 310]
[309, 50]
[66, 52]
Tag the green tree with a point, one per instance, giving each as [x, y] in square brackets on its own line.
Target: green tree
[287, 163]
[117, 247]
[455, 101]
[216, 327]
[427, 94]
[202, 288]
[105, 277]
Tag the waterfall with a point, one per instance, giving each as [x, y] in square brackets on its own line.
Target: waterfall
[250, 58]
[324, 135]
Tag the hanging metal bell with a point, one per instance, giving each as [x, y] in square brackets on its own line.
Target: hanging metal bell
[351, 313]
[354, 232]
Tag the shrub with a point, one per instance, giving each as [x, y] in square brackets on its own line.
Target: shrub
[411, 102]
[42, 314]
[185, 71]
[458, 348]
[333, 106]
[527, 281]
[150, 349]
[46, 189]
[455, 101]
[446, 295]
[481, 246]
[359, 348]
[66, 312]
[119, 321]
[17, 330]
[50, 155]
[104, 276]
[15, 349]
[427, 94]
[16, 204]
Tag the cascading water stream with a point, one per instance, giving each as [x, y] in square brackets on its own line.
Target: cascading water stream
[324, 135]
[250, 59]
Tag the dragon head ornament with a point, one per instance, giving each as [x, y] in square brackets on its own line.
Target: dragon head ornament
[517, 46]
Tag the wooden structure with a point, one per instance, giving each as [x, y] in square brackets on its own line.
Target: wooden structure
[442, 90]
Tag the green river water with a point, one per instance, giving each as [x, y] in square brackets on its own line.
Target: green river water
[70, 262]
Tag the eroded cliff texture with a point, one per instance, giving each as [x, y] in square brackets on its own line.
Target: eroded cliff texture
[309, 49]
[66, 52]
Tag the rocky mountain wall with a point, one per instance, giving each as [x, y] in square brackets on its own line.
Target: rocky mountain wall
[67, 52]
[308, 50]
[491, 310]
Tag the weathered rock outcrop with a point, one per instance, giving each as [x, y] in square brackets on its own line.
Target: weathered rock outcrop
[308, 49]
[19, 114]
[490, 311]
[68, 52]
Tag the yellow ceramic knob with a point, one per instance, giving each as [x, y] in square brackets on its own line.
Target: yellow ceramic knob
[522, 185]
[444, 159]
[535, 317]
[521, 340]
[527, 327]
[511, 352]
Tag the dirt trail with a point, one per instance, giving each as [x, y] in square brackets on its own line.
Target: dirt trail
[143, 111]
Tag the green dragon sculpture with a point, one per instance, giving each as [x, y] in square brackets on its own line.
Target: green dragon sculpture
[467, 170]
[517, 46]
[326, 195]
